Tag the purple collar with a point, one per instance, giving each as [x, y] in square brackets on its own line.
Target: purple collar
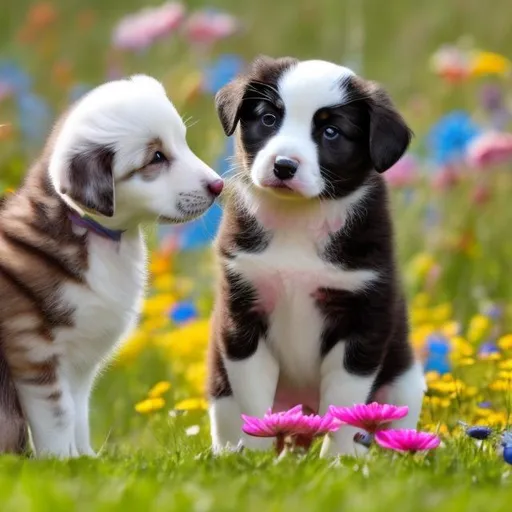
[91, 225]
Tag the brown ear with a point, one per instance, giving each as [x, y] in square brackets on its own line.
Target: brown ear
[228, 102]
[389, 134]
[91, 180]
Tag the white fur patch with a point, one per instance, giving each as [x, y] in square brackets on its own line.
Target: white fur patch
[304, 89]
[286, 276]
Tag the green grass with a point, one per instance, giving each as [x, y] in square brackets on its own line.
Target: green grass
[148, 462]
[189, 478]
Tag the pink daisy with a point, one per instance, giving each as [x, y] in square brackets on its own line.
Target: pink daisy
[403, 173]
[407, 440]
[292, 423]
[491, 148]
[209, 26]
[141, 29]
[370, 417]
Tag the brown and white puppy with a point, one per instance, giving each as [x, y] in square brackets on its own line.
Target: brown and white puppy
[309, 308]
[73, 258]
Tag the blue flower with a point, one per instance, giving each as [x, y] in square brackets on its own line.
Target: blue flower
[14, 77]
[506, 438]
[487, 349]
[450, 136]
[507, 453]
[363, 438]
[438, 352]
[222, 71]
[35, 117]
[478, 432]
[494, 311]
[183, 312]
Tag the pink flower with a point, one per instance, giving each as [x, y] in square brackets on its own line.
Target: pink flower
[370, 417]
[293, 423]
[407, 440]
[447, 177]
[403, 173]
[491, 148]
[141, 29]
[209, 26]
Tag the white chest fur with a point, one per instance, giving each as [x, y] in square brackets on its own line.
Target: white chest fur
[107, 306]
[286, 276]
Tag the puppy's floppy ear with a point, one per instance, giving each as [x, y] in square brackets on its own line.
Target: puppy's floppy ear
[90, 180]
[228, 102]
[389, 134]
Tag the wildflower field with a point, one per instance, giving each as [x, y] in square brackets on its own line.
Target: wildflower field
[447, 65]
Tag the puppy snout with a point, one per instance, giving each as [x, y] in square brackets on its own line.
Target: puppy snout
[215, 187]
[285, 168]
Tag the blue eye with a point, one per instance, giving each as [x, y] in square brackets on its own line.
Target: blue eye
[331, 133]
[268, 120]
[158, 158]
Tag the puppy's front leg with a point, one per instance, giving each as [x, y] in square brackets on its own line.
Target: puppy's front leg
[340, 386]
[46, 399]
[253, 380]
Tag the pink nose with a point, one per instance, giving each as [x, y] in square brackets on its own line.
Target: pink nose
[215, 187]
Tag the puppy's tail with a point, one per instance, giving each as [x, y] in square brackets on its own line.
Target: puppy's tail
[13, 427]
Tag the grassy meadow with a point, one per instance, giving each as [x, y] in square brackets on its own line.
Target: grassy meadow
[453, 241]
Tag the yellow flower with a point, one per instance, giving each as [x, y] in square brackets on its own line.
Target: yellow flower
[506, 365]
[419, 316]
[439, 428]
[132, 347]
[482, 412]
[155, 323]
[159, 389]
[421, 265]
[478, 328]
[195, 375]
[466, 361]
[421, 300]
[163, 282]
[442, 313]
[497, 419]
[149, 405]
[448, 387]
[501, 385]
[189, 340]
[470, 391]
[419, 335]
[489, 63]
[159, 264]
[505, 342]
[432, 377]
[460, 347]
[450, 329]
[190, 404]
[158, 304]
[505, 375]
[445, 403]
[493, 356]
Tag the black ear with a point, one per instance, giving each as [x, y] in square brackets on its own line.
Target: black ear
[228, 102]
[389, 134]
[91, 180]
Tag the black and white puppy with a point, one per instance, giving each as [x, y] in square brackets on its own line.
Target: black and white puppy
[309, 308]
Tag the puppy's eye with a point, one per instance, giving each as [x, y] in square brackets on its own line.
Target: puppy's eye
[331, 133]
[268, 120]
[158, 158]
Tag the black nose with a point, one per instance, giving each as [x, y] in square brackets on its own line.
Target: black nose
[285, 168]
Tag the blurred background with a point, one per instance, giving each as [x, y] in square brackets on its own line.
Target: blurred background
[447, 66]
